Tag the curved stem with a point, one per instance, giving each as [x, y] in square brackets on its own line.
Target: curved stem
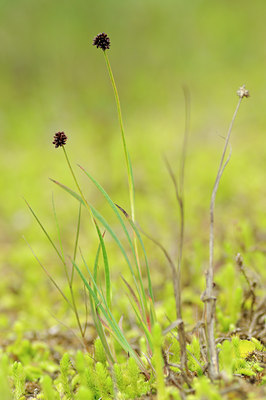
[128, 163]
[128, 167]
[210, 299]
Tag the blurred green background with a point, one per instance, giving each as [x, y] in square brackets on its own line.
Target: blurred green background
[52, 79]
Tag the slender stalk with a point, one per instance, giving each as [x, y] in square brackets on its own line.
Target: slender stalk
[120, 119]
[158, 362]
[181, 328]
[209, 298]
[129, 170]
[76, 182]
[179, 191]
[108, 287]
[180, 198]
[77, 234]
[61, 256]
[176, 273]
[79, 189]
[49, 276]
[69, 279]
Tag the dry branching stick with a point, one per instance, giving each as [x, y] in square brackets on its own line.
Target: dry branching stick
[209, 297]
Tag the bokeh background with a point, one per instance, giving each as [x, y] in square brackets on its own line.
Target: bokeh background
[52, 79]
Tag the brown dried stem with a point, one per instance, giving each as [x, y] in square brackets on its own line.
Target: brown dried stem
[209, 297]
[252, 286]
[179, 191]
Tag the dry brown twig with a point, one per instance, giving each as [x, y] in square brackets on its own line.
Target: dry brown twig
[209, 298]
[176, 270]
[252, 286]
[179, 191]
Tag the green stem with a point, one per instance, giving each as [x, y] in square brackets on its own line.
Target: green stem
[76, 182]
[107, 276]
[158, 361]
[129, 171]
[69, 280]
[128, 163]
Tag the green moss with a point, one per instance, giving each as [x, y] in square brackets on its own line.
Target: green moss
[194, 356]
[4, 375]
[99, 352]
[158, 362]
[64, 381]
[204, 390]
[103, 381]
[49, 392]
[174, 350]
[233, 357]
[84, 393]
[19, 377]
[229, 298]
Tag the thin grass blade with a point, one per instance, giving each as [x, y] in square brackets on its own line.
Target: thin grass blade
[116, 331]
[95, 268]
[58, 229]
[132, 293]
[106, 268]
[48, 275]
[99, 329]
[45, 232]
[114, 208]
[100, 218]
[142, 324]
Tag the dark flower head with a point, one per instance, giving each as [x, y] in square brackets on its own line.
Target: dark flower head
[102, 41]
[59, 139]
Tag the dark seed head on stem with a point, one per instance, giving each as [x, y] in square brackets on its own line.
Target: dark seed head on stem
[59, 139]
[102, 40]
